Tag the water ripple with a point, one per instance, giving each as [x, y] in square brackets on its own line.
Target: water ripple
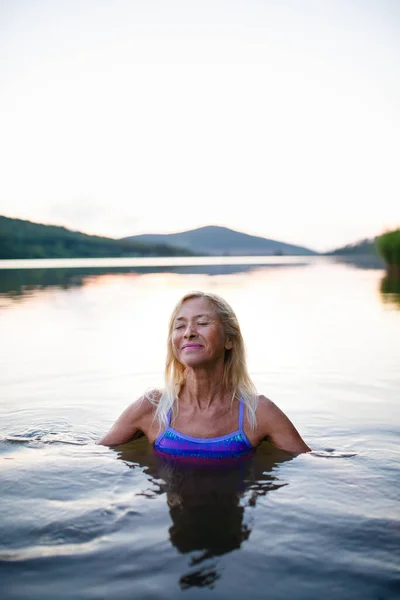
[44, 551]
[46, 438]
[331, 453]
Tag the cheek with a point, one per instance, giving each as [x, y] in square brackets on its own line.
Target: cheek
[174, 342]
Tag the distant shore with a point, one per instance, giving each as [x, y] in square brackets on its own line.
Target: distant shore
[389, 247]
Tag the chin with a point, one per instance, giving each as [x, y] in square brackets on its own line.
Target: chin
[193, 363]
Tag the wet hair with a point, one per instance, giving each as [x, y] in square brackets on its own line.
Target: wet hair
[236, 377]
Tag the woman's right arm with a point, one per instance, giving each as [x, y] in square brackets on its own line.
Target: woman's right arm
[137, 417]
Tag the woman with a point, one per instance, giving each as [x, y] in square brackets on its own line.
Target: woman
[209, 406]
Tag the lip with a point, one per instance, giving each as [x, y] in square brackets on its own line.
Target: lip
[192, 347]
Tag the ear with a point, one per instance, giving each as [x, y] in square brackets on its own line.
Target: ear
[228, 344]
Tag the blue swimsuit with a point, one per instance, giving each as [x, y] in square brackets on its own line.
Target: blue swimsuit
[232, 445]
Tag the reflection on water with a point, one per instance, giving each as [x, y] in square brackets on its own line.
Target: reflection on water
[207, 501]
[390, 290]
[361, 261]
[16, 283]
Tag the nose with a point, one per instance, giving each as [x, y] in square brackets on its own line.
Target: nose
[189, 331]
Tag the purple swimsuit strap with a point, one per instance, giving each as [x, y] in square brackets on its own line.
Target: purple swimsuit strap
[241, 419]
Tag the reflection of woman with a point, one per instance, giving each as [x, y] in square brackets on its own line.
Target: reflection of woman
[204, 508]
[207, 502]
[209, 407]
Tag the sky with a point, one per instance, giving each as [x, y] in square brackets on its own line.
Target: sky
[279, 118]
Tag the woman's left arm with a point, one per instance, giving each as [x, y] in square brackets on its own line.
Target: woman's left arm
[273, 424]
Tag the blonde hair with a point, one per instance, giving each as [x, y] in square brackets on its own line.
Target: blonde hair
[236, 376]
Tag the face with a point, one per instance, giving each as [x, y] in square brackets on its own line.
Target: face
[197, 334]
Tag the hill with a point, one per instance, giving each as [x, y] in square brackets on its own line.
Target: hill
[363, 254]
[366, 246]
[24, 239]
[221, 241]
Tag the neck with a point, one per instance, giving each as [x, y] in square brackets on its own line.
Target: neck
[203, 388]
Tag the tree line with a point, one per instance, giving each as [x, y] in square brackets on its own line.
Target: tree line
[25, 239]
[389, 247]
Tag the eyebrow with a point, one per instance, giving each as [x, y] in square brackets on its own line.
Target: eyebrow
[195, 316]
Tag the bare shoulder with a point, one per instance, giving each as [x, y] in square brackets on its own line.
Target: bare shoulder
[275, 425]
[145, 405]
[149, 400]
[138, 408]
[267, 409]
[138, 416]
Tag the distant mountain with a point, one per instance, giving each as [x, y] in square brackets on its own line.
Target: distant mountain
[366, 246]
[221, 241]
[363, 253]
[24, 239]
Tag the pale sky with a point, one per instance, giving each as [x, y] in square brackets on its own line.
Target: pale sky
[279, 118]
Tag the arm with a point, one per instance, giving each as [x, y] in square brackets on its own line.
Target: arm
[277, 427]
[134, 418]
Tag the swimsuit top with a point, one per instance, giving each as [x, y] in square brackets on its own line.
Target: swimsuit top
[234, 444]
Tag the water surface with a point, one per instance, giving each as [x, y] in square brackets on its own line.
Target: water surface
[79, 521]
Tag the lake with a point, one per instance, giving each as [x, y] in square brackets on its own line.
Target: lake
[81, 340]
